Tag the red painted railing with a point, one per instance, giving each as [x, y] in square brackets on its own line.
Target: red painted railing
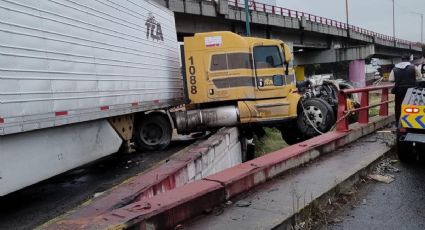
[342, 121]
[261, 7]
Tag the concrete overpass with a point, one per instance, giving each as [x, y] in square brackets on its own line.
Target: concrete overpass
[308, 33]
[315, 39]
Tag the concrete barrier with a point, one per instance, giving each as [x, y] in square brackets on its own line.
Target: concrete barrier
[220, 151]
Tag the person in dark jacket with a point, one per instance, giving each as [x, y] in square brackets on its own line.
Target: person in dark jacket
[404, 76]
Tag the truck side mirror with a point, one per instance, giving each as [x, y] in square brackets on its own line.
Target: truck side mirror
[287, 56]
[287, 52]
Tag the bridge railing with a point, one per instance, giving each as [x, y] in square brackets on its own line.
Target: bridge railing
[363, 118]
[262, 7]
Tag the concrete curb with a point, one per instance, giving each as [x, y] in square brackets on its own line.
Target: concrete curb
[166, 210]
[343, 186]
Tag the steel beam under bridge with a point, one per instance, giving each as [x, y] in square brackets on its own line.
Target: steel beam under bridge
[363, 52]
[334, 55]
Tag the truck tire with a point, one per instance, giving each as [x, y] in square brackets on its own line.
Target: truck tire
[405, 152]
[152, 132]
[320, 114]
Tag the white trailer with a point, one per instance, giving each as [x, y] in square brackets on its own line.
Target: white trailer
[72, 75]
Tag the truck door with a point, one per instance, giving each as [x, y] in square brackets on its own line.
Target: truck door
[271, 84]
[230, 76]
[269, 70]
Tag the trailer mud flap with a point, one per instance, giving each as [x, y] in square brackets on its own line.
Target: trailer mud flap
[30, 157]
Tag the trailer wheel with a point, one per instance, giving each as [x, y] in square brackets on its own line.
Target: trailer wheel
[320, 114]
[152, 132]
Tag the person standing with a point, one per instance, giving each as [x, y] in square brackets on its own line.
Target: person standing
[404, 76]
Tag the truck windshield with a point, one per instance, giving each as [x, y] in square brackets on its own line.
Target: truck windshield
[267, 57]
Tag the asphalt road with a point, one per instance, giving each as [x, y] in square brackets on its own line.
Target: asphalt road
[398, 205]
[37, 204]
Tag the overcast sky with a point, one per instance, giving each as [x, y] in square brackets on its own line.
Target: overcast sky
[375, 15]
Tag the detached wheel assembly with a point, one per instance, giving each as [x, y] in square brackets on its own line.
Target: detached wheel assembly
[316, 116]
[152, 132]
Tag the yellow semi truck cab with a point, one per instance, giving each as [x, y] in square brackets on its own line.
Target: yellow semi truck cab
[233, 80]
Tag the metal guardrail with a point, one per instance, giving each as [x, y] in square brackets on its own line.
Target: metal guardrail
[262, 7]
[342, 121]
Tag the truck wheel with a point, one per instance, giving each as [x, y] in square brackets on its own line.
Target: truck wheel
[152, 132]
[321, 115]
[405, 152]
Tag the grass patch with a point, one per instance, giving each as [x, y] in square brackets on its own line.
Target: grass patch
[373, 112]
[375, 98]
[270, 142]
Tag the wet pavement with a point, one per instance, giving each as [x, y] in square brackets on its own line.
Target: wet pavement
[398, 205]
[33, 206]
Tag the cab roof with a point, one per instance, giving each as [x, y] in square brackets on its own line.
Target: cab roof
[230, 39]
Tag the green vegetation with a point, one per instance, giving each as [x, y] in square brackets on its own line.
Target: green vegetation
[375, 98]
[270, 142]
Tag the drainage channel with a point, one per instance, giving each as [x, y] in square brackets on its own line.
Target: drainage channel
[290, 200]
[22, 209]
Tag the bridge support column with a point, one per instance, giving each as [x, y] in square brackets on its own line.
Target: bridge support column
[300, 73]
[357, 73]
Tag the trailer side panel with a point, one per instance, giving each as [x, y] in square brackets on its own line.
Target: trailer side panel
[30, 157]
[64, 62]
